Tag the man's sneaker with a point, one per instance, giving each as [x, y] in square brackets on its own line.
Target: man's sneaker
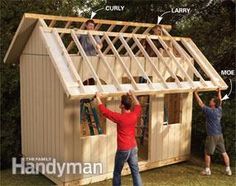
[228, 172]
[206, 172]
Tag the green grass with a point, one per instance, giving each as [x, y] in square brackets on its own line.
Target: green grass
[185, 173]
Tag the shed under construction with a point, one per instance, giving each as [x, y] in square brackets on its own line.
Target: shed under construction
[58, 79]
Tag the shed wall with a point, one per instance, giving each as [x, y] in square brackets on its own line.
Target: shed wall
[42, 103]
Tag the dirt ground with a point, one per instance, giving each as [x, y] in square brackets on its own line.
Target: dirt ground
[186, 173]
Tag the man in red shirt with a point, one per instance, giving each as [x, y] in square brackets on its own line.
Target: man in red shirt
[127, 150]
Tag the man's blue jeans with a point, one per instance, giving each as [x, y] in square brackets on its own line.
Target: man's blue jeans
[130, 156]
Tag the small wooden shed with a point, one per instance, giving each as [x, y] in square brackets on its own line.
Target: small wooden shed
[55, 83]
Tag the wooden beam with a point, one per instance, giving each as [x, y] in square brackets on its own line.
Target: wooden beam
[187, 58]
[108, 30]
[134, 84]
[52, 23]
[202, 61]
[69, 47]
[112, 34]
[69, 61]
[170, 53]
[43, 23]
[97, 26]
[66, 26]
[159, 55]
[127, 39]
[149, 82]
[85, 57]
[116, 82]
[134, 45]
[150, 60]
[101, 21]
[114, 40]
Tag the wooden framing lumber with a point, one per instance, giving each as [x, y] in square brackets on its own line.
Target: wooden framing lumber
[121, 61]
[109, 30]
[136, 61]
[159, 55]
[111, 34]
[150, 60]
[170, 53]
[52, 23]
[116, 82]
[66, 26]
[69, 61]
[202, 61]
[81, 19]
[85, 57]
[114, 40]
[127, 39]
[184, 55]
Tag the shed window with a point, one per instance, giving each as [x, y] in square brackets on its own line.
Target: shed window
[172, 107]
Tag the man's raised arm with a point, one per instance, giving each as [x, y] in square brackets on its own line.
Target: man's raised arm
[219, 95]
[136, 101]
[199, 101]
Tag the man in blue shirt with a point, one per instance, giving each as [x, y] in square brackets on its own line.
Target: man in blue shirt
[87, 43]
[214, 140]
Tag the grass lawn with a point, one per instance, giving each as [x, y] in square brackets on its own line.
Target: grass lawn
[187, 173]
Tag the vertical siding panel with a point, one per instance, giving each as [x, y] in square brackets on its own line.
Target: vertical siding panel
[27, 69]
[189, 121]
[47, 106]
[85, 145]
[40, 101]
[69, 133]
[53, 100]
[165, 138]
[103, 152]
[111, 136]
[159, 118]
[57, 117]
[22, 105]
[153, 128]
[77, 145]
[30, 99]
[43, 105]
[50, 108]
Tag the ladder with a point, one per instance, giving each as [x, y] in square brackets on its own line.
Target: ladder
[91, 115]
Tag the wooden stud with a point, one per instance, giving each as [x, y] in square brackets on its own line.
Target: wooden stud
[116, 82]
[159, 55]
[114, 40]
[184, 55]
[108, 30]
[175, 60]
[85, 57]
[121, 61]
[133, 46]
[202, 61]
[127, 39]
[136, 61]
[52, 23]
[150, 60]
[66, 26]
